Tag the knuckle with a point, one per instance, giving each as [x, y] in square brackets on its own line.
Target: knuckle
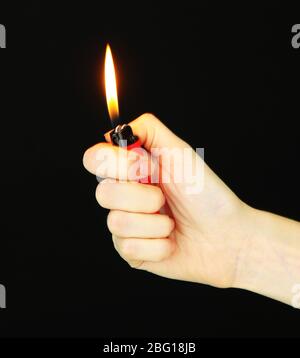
[135, 264]
[158, 199]
[85, 159]
[116, 222]
[103, 194]
[165, 251]
[169, 226]
[149, 117]
[88, 159]
[127, 248]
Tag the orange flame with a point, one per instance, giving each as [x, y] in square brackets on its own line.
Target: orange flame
[111, 85]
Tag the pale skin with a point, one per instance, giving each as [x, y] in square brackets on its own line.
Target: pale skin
[211, 237]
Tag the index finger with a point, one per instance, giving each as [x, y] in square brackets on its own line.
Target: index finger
[108, 161]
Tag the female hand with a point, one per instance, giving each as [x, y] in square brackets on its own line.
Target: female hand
[207, 235]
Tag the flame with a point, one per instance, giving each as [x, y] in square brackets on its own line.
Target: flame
[111, 85]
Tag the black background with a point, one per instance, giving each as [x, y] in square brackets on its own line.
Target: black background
[223, 78]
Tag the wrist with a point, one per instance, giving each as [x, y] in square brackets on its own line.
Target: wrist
[245, 276]
[268, 258]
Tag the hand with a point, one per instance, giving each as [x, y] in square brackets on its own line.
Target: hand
[207, 236]
[195, 237]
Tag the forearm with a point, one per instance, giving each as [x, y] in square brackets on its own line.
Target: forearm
[270, 260]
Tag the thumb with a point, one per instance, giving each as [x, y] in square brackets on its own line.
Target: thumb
[153, 133]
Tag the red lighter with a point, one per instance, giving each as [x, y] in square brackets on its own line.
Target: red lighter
[123, 136]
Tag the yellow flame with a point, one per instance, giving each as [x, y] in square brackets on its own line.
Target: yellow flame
[111, 85]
